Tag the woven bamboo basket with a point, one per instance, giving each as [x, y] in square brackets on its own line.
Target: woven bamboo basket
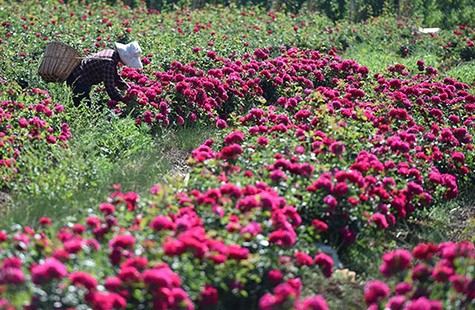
[58, 62]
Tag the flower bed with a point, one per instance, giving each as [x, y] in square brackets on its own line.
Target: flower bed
[332, 154]
[28, 120]
[314, 154]
[155, 252]
[354, 156]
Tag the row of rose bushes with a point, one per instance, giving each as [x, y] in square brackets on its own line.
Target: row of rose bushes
[331, 155]
[159, 252]
[185, 93]
[170, 36]
[209, 80]
[188, 94]
[397, 158]
[167, 251]
[212, 81]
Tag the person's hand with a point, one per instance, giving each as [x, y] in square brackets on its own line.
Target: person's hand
[112, 103]
[126, 98]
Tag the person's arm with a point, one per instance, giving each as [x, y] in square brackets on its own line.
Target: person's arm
[109, 80]
[121, 84]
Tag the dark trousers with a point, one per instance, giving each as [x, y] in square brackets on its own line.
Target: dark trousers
[80, 92]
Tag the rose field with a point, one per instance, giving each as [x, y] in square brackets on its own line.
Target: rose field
[261, 159]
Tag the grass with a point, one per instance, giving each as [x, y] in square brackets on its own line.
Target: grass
[464, 72]
[105, 150]
[378, 59]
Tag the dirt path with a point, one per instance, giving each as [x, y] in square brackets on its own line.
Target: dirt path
[177, 159]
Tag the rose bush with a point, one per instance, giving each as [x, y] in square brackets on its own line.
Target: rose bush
[163, 251]
[28, 120]
[185, 36]
[390, 151]
[433, 276]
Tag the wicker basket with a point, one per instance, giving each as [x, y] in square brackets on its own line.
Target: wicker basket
[58, 62]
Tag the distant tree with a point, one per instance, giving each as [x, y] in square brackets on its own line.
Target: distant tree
[310, 5]
[351, 15]
[275, 5]
[197, 4]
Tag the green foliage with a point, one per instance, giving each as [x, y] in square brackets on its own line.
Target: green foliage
[463, 72]
[103, 151]
[443, 14]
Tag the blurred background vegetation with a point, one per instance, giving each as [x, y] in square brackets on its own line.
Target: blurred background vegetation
[432, 13]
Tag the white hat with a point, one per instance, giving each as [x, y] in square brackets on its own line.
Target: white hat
[130, 54]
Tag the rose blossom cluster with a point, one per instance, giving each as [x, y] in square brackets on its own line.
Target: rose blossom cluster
[185, 93]
[431, 274]
[148, 252]
[407, 159]
[287, 296]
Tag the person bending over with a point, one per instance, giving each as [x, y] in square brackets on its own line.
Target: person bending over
[102, 67]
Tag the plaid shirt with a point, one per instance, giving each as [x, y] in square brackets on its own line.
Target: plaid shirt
[100, 67]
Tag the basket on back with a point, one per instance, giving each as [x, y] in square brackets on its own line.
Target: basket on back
[58, 62]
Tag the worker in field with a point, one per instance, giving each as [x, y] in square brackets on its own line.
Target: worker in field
[102, 67]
